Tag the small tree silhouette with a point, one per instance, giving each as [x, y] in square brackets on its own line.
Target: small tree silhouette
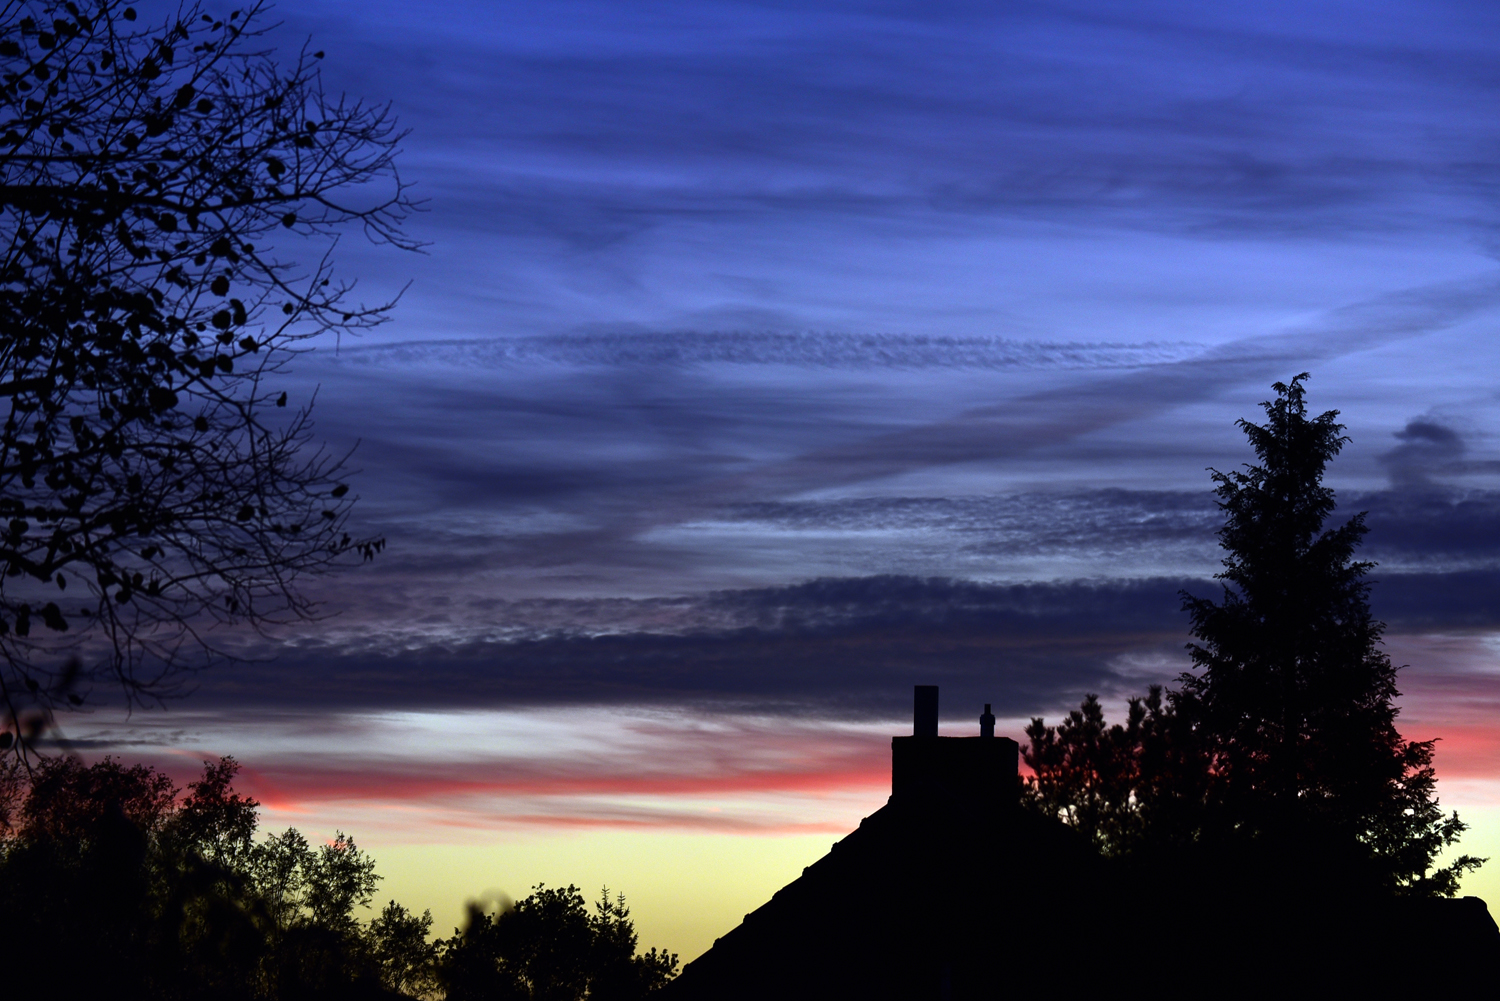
[548, 947]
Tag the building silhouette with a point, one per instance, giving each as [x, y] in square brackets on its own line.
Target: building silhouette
[953, 891]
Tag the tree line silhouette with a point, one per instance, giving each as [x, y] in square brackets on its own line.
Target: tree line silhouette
[118, 884]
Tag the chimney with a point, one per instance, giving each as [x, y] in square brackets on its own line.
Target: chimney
[929, 772]
[925, 711]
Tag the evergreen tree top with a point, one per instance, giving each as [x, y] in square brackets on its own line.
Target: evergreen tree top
[1275, 511]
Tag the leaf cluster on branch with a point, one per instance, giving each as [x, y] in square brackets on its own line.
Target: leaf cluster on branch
[154, 478]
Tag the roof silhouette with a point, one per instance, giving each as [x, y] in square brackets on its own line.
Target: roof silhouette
[952, 891]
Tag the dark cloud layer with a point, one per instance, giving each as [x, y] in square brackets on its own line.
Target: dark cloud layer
[827, 647]
[837, 647]
[1444, 525]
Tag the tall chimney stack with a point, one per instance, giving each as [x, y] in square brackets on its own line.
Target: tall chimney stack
[925, 711]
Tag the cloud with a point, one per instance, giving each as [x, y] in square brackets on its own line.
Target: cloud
[875, 167]
[834, 648]
[647, 463]
[1424, 523]
[675, 756]
[600, 169]
[1418, 602]
[635, 349]
[603, 122]
[589, 766]
[710, 763]
[1427, 447]
[841, 647]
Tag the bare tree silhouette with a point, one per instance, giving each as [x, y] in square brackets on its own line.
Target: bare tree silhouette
[154, 479]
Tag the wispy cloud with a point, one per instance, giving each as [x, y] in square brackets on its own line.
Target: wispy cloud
[880, 166]
[621, 767]
[610, 457]
[838, 648]
[609, 118]
[655, 351]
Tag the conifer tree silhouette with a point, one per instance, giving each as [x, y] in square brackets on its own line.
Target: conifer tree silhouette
[1283, 740]
[1294, 698]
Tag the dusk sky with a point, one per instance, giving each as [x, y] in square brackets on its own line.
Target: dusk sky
[768, 359]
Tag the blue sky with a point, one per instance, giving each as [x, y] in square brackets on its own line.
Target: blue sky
[767, 359]
[738, 296]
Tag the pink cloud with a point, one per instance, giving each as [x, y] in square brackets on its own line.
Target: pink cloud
[664, 776]
[277, 785]
[639, 770]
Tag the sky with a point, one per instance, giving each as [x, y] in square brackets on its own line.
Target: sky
[765, 360]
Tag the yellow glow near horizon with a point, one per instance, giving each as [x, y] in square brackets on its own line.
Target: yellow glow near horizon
[684, 889]
[1481, 840]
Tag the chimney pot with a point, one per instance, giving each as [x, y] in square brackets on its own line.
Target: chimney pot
[987, 722]
[925, 711]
